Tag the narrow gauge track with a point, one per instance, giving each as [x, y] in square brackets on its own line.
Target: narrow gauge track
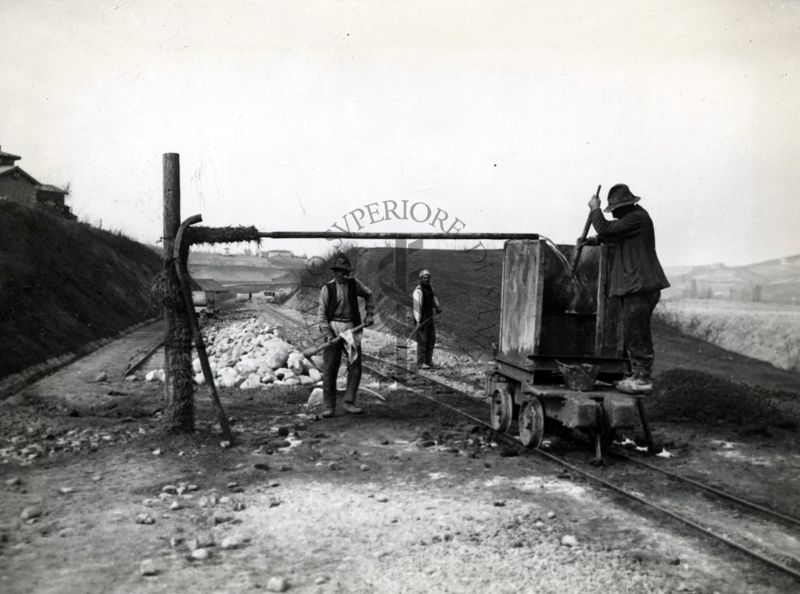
[423, 385]
[475, 409]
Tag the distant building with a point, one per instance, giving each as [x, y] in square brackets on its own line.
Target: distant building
[17, 185]
[277, 254]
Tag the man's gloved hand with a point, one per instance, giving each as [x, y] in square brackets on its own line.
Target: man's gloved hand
[594, 202]
[369, 321]
[590, 241]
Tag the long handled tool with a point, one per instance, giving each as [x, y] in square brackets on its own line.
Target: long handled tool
[579, 247]
[183, 278]
[311, 351]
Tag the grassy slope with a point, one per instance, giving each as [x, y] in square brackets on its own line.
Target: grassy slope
[65, 284]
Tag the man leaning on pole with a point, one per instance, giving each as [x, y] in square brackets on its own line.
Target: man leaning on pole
[425, 304]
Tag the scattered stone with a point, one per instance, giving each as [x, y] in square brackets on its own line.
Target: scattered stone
[323, 579]
[192, 487]
[31, 512]
[96, 478]
[231, 542]
[285, 467]
[149, 567]
[65, 490]
[499, 503]
[274, 502]
[238, 506]
[200, 554]
[279, 443]
[101, 377]
[176, 505]
[382, 499]
[14, 481]
[274, 484]
[145, 518]
[334, 466]
[224, 444]
[233, 485]
[277, 584]
[364, 468]
[315, 399]
[222, 518]
[157, 452]
[427, 443]
[170, 489]
[224, 500]
[131, 378]
[283, 431]
[175, 541]
[551, 515]
[569, 541]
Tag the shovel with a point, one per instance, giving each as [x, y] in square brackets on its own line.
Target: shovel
[311, 351]
[579, 247]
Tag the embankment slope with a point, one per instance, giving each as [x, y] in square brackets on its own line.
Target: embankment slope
[65, 284]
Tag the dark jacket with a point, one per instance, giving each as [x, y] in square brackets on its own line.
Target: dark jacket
[636, 268]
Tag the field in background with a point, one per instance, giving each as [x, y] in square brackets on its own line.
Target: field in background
[770, 332]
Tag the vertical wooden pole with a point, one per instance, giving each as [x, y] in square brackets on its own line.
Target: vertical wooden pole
[178, 393]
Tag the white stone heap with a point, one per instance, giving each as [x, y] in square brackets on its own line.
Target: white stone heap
[251, 355]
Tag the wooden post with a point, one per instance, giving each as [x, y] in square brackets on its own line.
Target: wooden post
[178, 393]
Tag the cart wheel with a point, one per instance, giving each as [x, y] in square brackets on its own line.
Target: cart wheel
[531, 423]
[502, 410]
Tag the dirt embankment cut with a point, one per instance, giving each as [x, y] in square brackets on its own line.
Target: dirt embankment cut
[65, 284]
[466, 281]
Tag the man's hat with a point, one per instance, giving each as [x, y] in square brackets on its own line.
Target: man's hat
[620, 195]
[341, 263]
[424, 272]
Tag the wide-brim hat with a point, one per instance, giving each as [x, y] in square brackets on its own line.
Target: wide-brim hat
[424, 272]
[341, 262]
[620, 195]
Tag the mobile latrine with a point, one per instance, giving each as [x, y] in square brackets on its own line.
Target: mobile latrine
[560, 346]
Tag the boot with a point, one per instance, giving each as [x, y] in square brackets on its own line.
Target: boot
[351, 408]
[637, 384]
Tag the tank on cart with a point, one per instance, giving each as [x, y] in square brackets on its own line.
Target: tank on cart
[560, 346]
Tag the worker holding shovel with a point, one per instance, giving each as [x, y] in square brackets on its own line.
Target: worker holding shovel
[339, 317]
[636, 277]
[425, 304]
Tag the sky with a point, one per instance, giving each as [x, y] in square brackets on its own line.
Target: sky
[504, 115]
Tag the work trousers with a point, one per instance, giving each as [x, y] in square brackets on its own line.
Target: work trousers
[332, 358]
[637, 310]
[426, 339]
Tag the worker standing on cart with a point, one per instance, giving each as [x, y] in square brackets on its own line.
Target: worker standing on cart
[636, 278]
[425, 304]
[338, 312]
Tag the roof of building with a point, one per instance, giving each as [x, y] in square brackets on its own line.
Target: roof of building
[9, 155]
[6, 169]
[206, 284]
[51, 188]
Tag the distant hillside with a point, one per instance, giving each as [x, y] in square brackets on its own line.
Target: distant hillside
[65, 284]
[245, 274]
[773, 281]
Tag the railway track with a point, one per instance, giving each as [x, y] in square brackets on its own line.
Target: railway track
[718, 521]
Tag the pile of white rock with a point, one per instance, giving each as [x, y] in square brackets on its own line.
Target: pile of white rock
[250, 354]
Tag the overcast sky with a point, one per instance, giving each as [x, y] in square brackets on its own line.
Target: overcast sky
[506, 115]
